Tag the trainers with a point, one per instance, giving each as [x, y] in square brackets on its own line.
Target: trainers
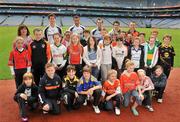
[149, 108]
[24, 119]
[159, 100]
[134, 111]
[45, 112]
[117, 111]
[85, 103]
[96, 109]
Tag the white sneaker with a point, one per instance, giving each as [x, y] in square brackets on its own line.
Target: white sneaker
[159, 100]
[85, 103]
[96, 109]
[117, 111]
[65, 99]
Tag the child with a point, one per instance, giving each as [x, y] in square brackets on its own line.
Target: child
[40, 54]
[146, 87]
[59, 55]
[129, 83]
[159, 79]
[69, 87]
[89, 87]
[136, 54]
[106, 62]
[119, 52]
[85, 38]
[166, 55]
[112, 92]
[92, 56]
[27, 93]
[151, 55]
[19, 61]
[66, 39]
[129, 40]
[50, 88]
[75, 51]
[142, 39]
[155, 34]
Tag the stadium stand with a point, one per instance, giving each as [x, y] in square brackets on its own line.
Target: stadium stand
[146, 13]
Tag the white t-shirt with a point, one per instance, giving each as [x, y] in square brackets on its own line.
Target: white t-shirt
[77, 30]
[107, 54]
[136, 56]
[58, 54]
[119, 53]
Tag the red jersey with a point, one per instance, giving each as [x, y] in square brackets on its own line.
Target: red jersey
[110, 88]
[19, 59]
[129, 83]
[75, 53]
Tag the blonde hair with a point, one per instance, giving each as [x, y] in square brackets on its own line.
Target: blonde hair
[49, 65]
[17, 39]
[110, 72]
[87, 69]
[128, 63]
[141, 71]
[73, 36]
[28, 75]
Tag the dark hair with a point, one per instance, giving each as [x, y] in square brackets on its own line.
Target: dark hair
[99, 19]
[49, 65]
[116, 22]
[86, 31]
[51, 15]
[22, 27]
[119, 39]
[95, 44]
[158, 67]
[142, 34]
[167, 36]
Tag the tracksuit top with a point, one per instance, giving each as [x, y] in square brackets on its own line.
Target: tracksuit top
[166, 55]
[69, 85]
[50, 88]
[77, 30]
[84, 85]
[31, 92]
[19, 60]
[40, 52]
[159, 81]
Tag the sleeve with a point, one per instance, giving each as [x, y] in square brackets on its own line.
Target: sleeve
[121, 82]
[104, 88]
[163, 81]
[173, 54]
[48, 52]
[29, 60]
[142, 58]
[99, 57]
[45, 34]
[41, 92]
[11, 59]
[79, 87]
[85, 55]
[30, 51]
[34, 96]
[18, 92]
[156, 56]
[151, 85]
[136, 79]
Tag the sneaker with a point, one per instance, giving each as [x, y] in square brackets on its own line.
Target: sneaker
[149, 108]
[24, 119]
[117, 111]
[85, 103]
[96, 109]
[58, 102]
[134, 111]
[45, 112]
[159, 100]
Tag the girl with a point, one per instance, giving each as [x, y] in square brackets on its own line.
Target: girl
[19, 61]
[151, 55]
[136, 54]
[23, 32]
[166, 55]
[119, 52]
[66, 39]
[27, 93]
[106, 62]
[128, 40]
[112, 92]
[146, 87]
[92, 56]
[59, 55]
[159, 79]
[75, 51]
[129, 83]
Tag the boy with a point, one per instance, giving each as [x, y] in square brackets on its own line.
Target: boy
[40, 54]
[69, 87]
[50, 88]
[89, 87]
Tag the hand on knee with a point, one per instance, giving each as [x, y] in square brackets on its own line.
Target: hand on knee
[46, 107]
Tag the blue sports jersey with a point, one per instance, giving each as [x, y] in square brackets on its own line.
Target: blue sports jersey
[84, 85]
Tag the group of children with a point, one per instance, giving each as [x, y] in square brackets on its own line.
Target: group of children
[104, 68]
